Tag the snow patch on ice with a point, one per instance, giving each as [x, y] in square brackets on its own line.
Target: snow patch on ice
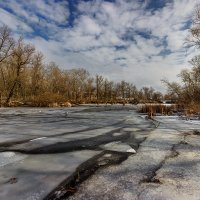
[132, 129]
[118, 146]
[40, 138]
[131, 150]
[108, 155]
[117, 134]
[10, 157]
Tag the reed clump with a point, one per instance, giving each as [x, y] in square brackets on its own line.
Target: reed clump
[152, 109]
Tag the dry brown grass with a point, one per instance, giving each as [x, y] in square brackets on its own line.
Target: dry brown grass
[47, 100]
[153, 109]
[193, 109]
[186, 110]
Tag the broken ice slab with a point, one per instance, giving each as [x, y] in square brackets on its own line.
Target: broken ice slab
[35, 176]
[118, 146]
[41, 142]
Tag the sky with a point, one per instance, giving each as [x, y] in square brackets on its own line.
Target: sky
[139, 41]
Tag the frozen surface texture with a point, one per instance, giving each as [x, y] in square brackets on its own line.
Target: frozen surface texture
[36, 176]
[166, 166]
[43, 150]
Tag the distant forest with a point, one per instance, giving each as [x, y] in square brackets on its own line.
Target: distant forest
[25, 79]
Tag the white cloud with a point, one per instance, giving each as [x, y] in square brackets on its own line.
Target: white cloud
[50, 9]
[33, 11]
[13, 23]
[121, 40]
[88, 26]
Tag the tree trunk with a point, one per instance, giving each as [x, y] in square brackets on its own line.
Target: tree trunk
[11, 92]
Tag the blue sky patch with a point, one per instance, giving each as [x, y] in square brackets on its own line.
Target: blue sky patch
[130, 35]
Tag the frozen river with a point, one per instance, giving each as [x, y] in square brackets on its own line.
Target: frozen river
[48, 153]
[42, 148]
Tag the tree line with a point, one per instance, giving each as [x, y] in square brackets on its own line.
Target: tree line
[188, 90]
[26, 79]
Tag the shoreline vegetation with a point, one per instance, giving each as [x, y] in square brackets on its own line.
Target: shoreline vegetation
[26, 80]
[149, 109]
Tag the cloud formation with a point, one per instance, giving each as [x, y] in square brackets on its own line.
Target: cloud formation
[138, 41]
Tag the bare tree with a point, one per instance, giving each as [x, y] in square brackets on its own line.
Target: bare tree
[148, 93]
[174, 89]
[195, 61]
[21, 57]
[193, 38]
[99, 85]
[36, 74]
[89, 89]
[6, 44]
